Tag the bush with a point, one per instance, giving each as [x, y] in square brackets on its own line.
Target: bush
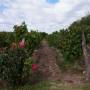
[12, 66]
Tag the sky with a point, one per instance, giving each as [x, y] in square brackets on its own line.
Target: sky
[42, 15]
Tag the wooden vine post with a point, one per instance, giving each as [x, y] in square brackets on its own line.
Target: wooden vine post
[86, 56]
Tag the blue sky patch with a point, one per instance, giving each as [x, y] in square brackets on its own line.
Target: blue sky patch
[53, 1]
[2, 7]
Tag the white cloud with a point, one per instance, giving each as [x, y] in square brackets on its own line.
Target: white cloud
[38, 14]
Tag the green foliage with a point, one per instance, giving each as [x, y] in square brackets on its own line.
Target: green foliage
[27, 70]
[15, 63]
[53, 39]
[73, 48]
[20, 31]
[6, 38]
[33, 41]
[12, 65]
[2, 39]
[69, 41]
[32, 38]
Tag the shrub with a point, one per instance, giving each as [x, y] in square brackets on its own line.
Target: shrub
[12, 65]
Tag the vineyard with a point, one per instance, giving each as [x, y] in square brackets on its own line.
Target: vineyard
[26, 57]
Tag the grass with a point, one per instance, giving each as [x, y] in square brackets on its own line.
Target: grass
[54, 86]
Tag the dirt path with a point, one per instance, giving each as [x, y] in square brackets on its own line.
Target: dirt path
[46, 58]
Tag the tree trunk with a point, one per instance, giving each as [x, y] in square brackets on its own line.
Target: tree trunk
[86, 57]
